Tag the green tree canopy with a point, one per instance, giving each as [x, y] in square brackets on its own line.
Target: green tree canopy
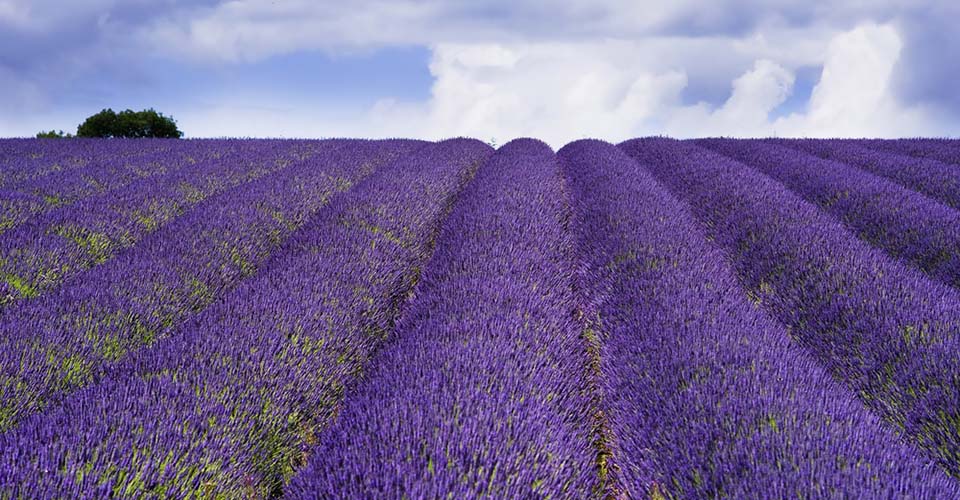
[129, 123]
[53, 134]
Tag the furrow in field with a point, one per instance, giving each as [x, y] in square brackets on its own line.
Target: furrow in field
[228, 405]
[52, 346]
[881, 327]
[930, 177]
[942, 150]
[905, 224]
[482, 390]
[705, 394]
[38, 256]
[107, 169]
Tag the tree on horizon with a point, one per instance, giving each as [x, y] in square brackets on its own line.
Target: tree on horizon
[129, 124]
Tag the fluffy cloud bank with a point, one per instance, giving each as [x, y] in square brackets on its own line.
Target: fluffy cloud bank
[563, 92]
[855, 95]
[505, 68]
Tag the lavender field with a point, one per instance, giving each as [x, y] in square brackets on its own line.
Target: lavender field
[658, 319]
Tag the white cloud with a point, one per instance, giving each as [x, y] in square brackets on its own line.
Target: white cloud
[561, 92]
[553, 91]
[755, 94]
[855, 95]
[249, 30]
[557, 70]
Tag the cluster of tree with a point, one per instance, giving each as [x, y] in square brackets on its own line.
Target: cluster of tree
[128, 123]
[53, 134]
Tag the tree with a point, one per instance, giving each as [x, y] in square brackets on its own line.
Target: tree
[128, 123]
[102, 124]
[53, 134]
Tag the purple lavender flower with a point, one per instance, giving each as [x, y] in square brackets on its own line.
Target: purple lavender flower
[227, 404]
[480, 392]
[882, 328]
[706, 395]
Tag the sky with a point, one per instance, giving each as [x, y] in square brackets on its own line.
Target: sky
[559, 70]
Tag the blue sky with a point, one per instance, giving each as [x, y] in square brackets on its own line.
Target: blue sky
[493, 69]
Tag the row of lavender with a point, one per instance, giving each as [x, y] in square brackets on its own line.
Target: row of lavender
[481, 392]
[737, 402]
[938, 180]
[22, 160]
[941, 150]
[905, 223]
[33, 182]
[925, 228]
[880, 326]
[229, 404]
[63, 340]
[707, 395]
[45, 249]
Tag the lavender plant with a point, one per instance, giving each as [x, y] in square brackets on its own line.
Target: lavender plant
[930, 177]
[368, 319]
[39, 255]
[227, 406]
[480, 392]
[904, 223]
[942, 150]
[75, 171]
[64, 340]
[889, 333]
[25, 162]
[706, 395]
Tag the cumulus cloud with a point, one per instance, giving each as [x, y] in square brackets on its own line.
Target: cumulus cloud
[247, 30]
[753, 97]
[562, 92]
[553, 91]
[855, 95]
[503, 68]
[243, 30]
